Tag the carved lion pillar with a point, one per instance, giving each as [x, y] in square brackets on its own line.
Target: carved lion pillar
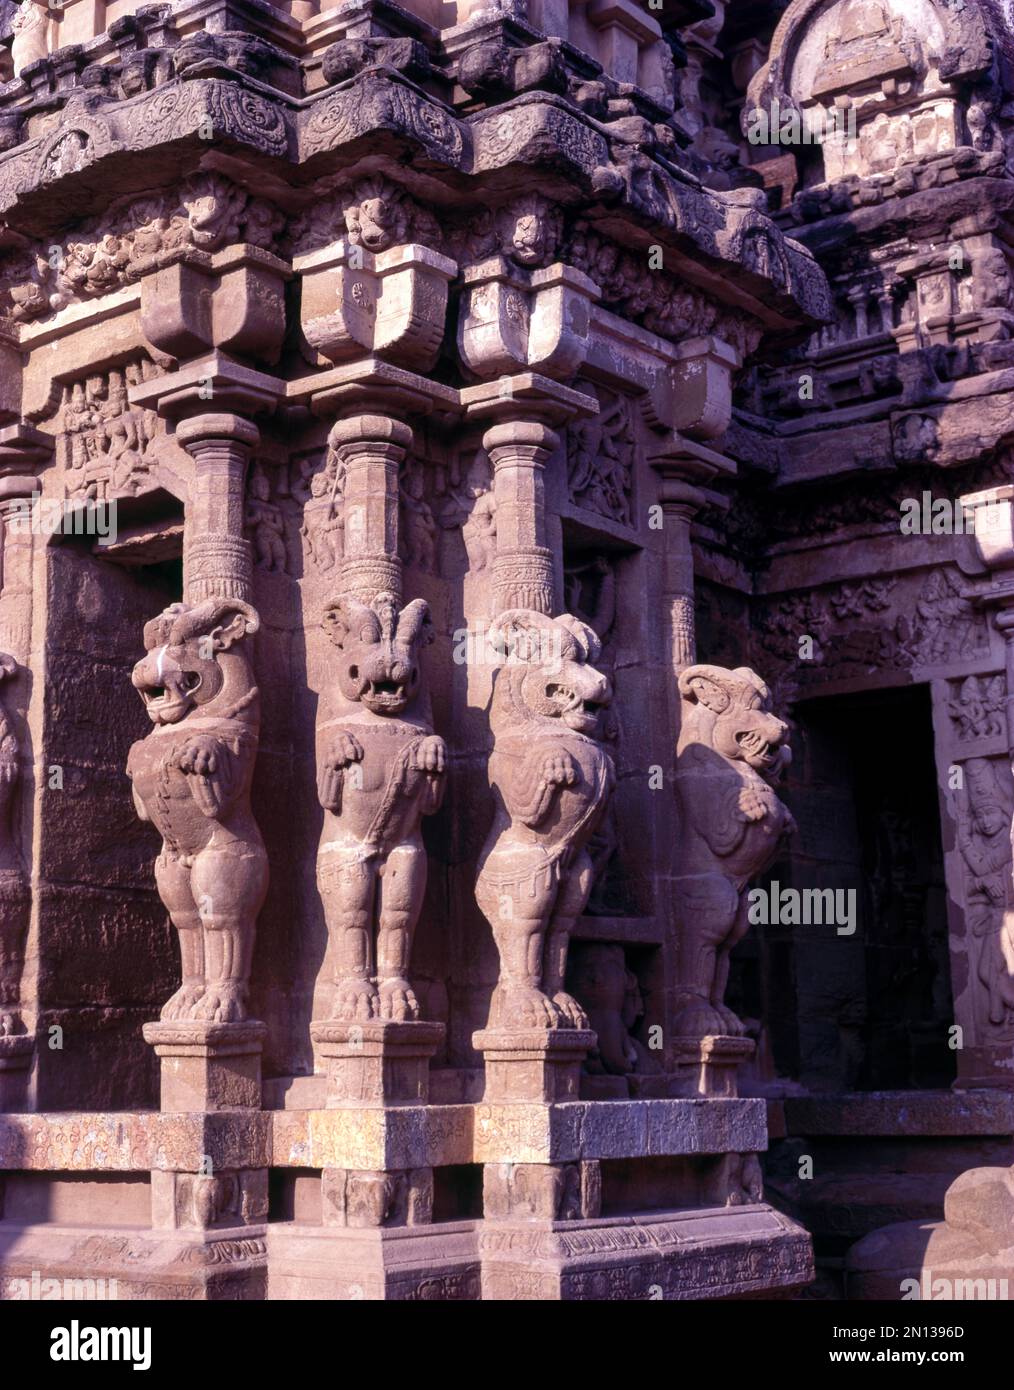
[192, 775]
[23, 450]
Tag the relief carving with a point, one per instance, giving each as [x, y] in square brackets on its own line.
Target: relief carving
[551, 782]
[600, 459]
[381, 769]
[610, 995]
[984, 822]
[207, 212]
[731, 752]
[107, 440]
[191, 778]
[265, 523]
[321, 492]
[977, 707]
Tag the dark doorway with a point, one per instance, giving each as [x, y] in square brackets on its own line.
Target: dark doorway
[870, 1010]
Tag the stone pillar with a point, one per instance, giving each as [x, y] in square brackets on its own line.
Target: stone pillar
[982, 1059]
[209, 1049]
[523, 568]
[217, 560]
[371, 446]
[681, 467]
[520, 441]
[23, 449]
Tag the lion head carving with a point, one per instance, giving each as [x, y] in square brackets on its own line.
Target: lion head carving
[379, 665]
[183, 669]
[730, 711]
[547, 672]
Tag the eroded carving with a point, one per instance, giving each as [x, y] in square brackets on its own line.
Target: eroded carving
[551, 782]
[191, 778]
[380, 770]
[731, 752]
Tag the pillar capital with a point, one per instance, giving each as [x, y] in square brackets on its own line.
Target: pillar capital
[198, 431]
[530, 437]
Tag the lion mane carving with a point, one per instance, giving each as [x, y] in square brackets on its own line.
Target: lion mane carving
[551, 781]
[731, 752]
[191, 778]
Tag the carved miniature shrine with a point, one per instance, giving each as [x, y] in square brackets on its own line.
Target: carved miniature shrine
[447, 468]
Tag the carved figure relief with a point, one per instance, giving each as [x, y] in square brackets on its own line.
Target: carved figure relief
[108, 440]
[984, 821]
[600, 459]
[609, 992]
[977, 708]
[320, 490]
[380, 770]
[191, 778]
[417, 529]
[730, 754]
[551, 781]
[266, 524]
[30, 29]
[471, 505]
[207, 212]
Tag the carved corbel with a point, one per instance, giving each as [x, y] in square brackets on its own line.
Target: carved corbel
[393, 302]
[513, 318]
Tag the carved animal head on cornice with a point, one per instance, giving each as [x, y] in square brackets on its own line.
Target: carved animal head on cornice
[547, 675]
[190, 664]
[530, 229]
[730, 711]
[379, 664]
[377, 214]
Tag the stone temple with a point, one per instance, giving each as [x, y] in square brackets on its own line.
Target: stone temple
[507, 623]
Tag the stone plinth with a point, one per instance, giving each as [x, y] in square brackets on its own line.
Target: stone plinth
[132, 1263]
[378, 1063]
[533, 1064]
[386, 1263]
[208, 1066]
[709, 1066]
[720, 1253]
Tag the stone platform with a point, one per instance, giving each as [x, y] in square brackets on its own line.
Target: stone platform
[553, 1220]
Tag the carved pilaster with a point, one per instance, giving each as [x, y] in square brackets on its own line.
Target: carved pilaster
[524, 410]
[681, 467]
[217, 559]
[370, 448]
[16, 1043]
[523, 568]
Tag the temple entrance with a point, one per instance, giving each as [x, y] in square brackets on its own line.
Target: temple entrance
[106, 954]
[862, 1003]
